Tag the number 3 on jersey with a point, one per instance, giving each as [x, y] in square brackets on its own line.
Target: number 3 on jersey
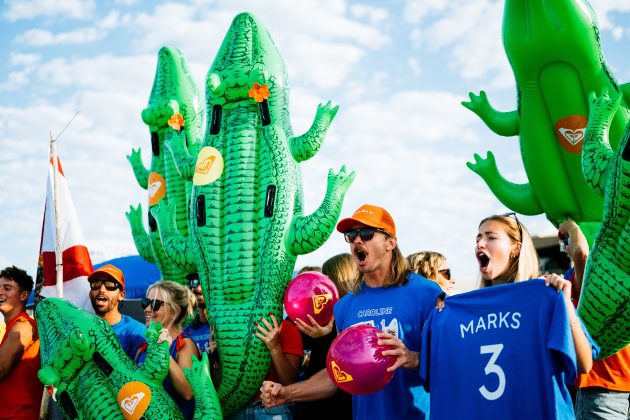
[492, 367]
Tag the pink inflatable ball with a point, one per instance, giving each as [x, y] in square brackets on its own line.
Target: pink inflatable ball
[355, 361]
[311, 293]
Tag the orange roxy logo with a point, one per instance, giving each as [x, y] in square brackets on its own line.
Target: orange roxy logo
[204, 166]
[340, 375]
[570, 132]
[319, 301]
[133, 399]
[156, 188]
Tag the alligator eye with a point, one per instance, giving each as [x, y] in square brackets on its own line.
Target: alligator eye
[68, 405]
[201, 210]
[270, 200]
[152, 222]
[215, 124]
[265, 118]
[155, 143]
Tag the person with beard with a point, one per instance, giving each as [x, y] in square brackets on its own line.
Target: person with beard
[199, 328]
[389, 297]
[107, 291]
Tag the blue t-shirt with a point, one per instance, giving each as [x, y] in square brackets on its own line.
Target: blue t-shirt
[401, 311]
[130, 334]
[200, 334]
[500, 352]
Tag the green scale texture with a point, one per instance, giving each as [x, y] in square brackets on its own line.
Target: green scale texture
[174, 91]
[245, 257]
[555, 53]
[605, 299]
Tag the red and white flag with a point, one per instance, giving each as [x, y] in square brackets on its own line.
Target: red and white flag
[77, 264]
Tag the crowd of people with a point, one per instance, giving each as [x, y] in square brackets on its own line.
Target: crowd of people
[407, 298]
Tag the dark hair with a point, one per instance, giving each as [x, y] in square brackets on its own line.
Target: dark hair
[24, 281]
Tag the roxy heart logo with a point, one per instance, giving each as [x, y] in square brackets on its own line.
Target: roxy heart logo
[129, 404]
[570, 132]
[156, 188]
[204, 166]
[340, 375]
[319, 301]
[209, 166]
[153, 188]
[133, 399]
[573, 136]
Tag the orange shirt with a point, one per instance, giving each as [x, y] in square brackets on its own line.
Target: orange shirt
[21, 391]
[611, 373]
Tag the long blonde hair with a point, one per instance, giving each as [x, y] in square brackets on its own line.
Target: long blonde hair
[427, 264]
[177, 297]
[524, 265]
[342, 270]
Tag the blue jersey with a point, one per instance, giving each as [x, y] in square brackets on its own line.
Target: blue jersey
[401, 311]
[130, 333]
[500, 352]
[200, 334]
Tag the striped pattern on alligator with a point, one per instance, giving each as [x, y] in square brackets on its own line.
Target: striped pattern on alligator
[555, 53]
[605, 300]
[95, 379]
[174, 91]
[246, 221]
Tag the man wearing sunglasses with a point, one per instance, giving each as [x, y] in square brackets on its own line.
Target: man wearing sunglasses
[389, 297]
[107, 290]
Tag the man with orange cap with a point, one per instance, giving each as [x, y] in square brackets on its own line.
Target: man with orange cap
[388, 296]
[107, 290]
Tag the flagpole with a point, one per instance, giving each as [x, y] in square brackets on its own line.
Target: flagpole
[58, 250]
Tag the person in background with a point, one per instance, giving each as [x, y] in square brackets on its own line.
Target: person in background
[20, 390]
[169, 303]
[342, 270]
[107, 292]
[392, 299]
[432, 265]
[604, 392]
[199, 328]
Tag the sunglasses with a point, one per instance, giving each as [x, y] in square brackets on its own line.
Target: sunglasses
[155, 304]
[366, 233]
[110, 285]
[446, 273]
[518, 223]
[193, 283]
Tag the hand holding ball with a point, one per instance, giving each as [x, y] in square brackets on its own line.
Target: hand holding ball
[355, 361]
[311, 293]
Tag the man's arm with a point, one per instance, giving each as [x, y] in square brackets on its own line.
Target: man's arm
[317, 387]
[19, 338]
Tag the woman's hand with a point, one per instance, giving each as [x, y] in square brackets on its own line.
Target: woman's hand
[557, 281]
[270, 334]
[314, 330]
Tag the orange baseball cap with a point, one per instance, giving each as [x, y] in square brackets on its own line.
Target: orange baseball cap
[108, 272]
[369, 215]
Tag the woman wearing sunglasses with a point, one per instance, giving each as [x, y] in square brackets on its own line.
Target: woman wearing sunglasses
[432, 266]
[169, 303]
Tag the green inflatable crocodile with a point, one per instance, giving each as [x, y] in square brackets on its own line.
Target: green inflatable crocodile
[174, 91]
[554, 50]
[246, 220]
[605, 299]
[82, 358]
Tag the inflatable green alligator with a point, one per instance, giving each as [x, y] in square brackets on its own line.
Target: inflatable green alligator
[555, 54]
[173, 92]
[246, 221]
[605, 298]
